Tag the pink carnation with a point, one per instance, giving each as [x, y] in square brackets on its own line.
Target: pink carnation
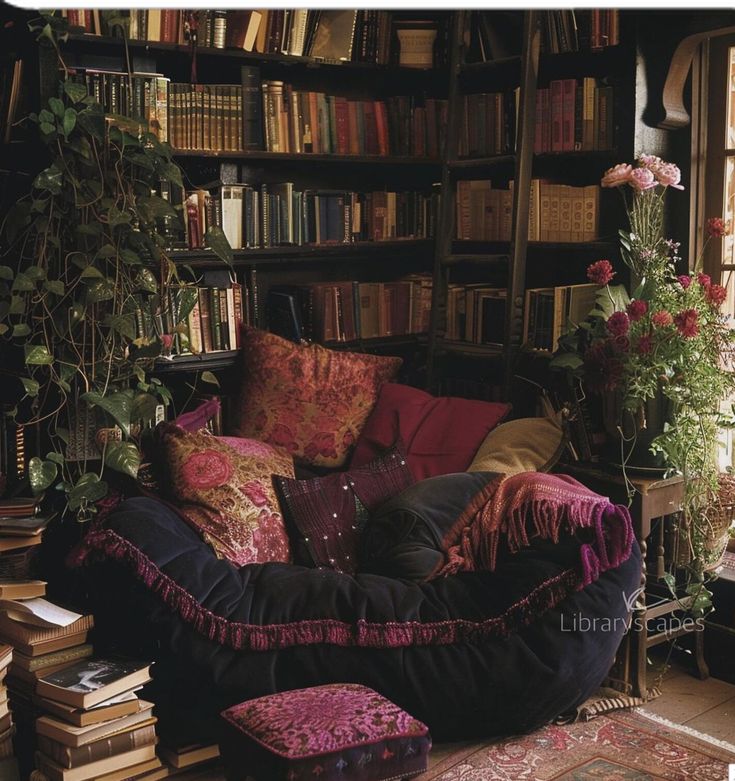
[684, 280]
[645, 344]
[601, 272]
[705, 280]
[642, 179]
[668, 175]
[618, 324]
[637, 310]
[716, 295]
[686, 323]
[650, 161]
[617, 175]
[662, 318]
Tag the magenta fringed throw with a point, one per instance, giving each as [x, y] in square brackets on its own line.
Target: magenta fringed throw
[545, 505]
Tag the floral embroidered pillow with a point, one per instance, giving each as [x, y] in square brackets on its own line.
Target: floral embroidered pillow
[309, 400]
[223, 487]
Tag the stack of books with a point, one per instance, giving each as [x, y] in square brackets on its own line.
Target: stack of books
[8, 764]
[549, 311]
[95, 726]
[21, 529]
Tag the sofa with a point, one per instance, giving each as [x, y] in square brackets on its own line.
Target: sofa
[472, 639]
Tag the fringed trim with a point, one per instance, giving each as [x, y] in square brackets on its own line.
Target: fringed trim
[391, 634]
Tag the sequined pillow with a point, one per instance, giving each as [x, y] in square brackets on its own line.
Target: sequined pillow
[328, 513]
[309, 400]
[223, 487]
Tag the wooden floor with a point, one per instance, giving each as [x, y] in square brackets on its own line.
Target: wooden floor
[706, 706]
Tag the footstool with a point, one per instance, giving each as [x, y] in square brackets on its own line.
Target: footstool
[339, 731]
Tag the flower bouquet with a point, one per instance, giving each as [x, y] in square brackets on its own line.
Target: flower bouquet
[666, 344]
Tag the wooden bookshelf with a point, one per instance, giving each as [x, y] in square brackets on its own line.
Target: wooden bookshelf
[308, 157]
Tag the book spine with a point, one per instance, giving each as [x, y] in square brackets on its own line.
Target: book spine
[69, 757]
[205, 318]
[557, 112]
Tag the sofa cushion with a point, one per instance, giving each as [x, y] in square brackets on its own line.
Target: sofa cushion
[309, 400]
[199, 417]
[337, 731]
[523, 445]
[223, 487]
[328, 513]
[440, 434]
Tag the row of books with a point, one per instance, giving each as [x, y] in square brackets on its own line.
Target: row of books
[8, 763]
[14, 455]
[214, 321]
[550, 310]
[297, 121]
[574, 116]
[571, 31]
[349, 311]
[476, 314]
[278, 214]
[557, 212]
[489, 122]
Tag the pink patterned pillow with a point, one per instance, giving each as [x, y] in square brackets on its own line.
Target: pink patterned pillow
[223, 487]
[309, 400]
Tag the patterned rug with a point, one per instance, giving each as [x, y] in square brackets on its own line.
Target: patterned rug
[624, 746]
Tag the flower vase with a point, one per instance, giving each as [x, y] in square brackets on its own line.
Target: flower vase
[631, 433]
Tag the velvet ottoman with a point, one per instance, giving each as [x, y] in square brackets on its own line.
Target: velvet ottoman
[338, 731]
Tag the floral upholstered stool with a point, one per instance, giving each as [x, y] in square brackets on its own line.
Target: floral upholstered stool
[339, 731]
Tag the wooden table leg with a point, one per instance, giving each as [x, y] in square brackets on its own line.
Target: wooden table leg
[638, 632]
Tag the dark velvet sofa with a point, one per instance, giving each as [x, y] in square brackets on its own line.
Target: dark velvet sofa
[476, 653]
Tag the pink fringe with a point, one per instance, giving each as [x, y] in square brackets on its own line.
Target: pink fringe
[391, 634]
[549, 504]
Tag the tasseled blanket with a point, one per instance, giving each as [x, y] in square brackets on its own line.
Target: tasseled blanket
[547, 505]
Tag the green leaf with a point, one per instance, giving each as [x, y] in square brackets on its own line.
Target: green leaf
[3, 329]
[217, 241]
[118, 405]
[172, 172]
[92, 273]
[22, 283]
[6, 273]
[123, 457]
[117, 217]
[47, 128]
[69, 121]
[566, 361]
[57, 106]
[30, 385]
[41, 474]
[124, 325]
[57, 458]
[146, 281]
[101, 290]
[74, 91]
[130, 258]
[20, 330]
[670, 581]
[17, 305]
[88, 488]
[44, 115]
[49, 179]
[62, 434]
[55, 286]
[144, 407]
[210, 378]
[35, 273]
[37, 355]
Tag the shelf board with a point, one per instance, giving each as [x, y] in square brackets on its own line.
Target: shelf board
[206, 361]
[491, 65]
[470, 247]
[307, 157]
[470, 348]
[106, 42]
[490, 258]
[402, 340]
[481, 162]
[288, 254]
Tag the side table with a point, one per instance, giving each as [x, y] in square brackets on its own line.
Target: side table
[654, 503]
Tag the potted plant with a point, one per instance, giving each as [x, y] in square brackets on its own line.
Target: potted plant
[89, 297]
[661, 351]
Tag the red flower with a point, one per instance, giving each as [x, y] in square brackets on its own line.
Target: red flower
[686, 323]
[602, 371]
[601, 272]
[662, 318]
[715, 227]
[684, 280]
[704, 279]
[645, 344]
[636, 310]
[207, 469]
[620, 344]
[618, 324]
[716, 295]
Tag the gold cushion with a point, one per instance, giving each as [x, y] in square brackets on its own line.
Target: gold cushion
[523, 445]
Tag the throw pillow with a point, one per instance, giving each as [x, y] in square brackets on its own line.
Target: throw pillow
[225, 491]
[309, 400]
[523, 445]
[329, 513]
[440, 435]
[199, 417]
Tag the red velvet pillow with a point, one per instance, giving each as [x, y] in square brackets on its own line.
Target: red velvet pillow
[311, 401]
[330, 512]
[439, 435]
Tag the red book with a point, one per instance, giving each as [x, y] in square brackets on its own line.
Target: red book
[341, 114]
[538, 138]
[169, 25]
[569, 88]
[237, 298]
[557, 109]
[381, 124]
[371, 131]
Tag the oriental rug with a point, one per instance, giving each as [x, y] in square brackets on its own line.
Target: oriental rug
[622, 746]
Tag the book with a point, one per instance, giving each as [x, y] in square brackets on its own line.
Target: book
[22, 589]
[13, 543]
[6, 656]
[94, 770]
[55, 657]
[116, 707]
[334, 35]
[109, 746]
[39, 612]
[23, 634]
[89, 682]
[45, 646]
[186, 756]
[19, 526]
[74, 737]
[20, 506]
